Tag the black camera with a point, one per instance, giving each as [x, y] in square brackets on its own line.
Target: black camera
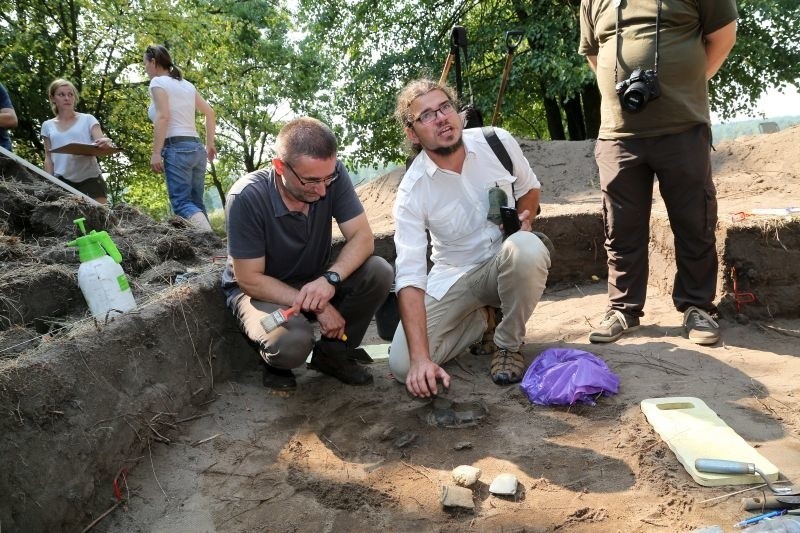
[638, 89]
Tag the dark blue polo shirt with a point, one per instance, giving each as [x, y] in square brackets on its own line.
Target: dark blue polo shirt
[296, 247]
[5, 103]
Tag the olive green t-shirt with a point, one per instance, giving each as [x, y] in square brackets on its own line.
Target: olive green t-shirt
[681, 60]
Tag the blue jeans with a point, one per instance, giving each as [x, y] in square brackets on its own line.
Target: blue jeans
[185, 171]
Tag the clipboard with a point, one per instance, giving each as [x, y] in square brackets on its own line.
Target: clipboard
[85, 149]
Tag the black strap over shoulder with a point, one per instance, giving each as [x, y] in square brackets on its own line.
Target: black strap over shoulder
[500, 151]
[497, 147]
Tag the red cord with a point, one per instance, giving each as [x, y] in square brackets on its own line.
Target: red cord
[740, 298]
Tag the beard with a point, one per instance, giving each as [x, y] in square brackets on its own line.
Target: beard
[447, 150]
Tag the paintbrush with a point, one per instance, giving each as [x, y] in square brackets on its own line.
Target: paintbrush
[273, 320]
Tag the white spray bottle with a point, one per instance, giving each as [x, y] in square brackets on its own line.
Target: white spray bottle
[100, 277]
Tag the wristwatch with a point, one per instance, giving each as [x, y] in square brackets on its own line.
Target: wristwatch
[333, 278]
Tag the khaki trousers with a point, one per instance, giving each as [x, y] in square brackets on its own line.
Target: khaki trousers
[513, 281]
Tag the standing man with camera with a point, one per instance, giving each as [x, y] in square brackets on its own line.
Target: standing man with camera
[446, 193]
[653, 60]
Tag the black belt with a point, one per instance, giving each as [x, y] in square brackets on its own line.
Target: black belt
[180, 139]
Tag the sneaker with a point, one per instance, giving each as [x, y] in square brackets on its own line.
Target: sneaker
[278, 379]
[507, 367]
[486, 345]
[699, 326]
[338, 365]
[613, 326]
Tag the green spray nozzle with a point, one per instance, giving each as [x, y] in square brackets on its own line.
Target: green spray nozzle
[95, 244]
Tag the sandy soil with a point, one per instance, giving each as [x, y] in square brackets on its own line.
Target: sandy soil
[336, 458]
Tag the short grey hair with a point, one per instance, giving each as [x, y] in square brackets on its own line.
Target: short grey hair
[305, 136]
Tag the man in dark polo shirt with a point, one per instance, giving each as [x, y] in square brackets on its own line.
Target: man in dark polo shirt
[279, 257]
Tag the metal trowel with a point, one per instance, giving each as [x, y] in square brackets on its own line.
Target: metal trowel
[721, 466]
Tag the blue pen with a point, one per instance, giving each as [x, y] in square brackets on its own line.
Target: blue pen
[759, 518]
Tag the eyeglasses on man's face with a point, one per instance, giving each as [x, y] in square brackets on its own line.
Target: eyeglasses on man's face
[310, 182]
[426, 117]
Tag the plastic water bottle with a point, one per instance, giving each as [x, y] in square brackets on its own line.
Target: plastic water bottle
[101, 279]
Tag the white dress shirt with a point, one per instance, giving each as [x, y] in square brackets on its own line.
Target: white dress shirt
[453, 207]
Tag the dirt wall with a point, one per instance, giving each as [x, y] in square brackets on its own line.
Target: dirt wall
[78, 410]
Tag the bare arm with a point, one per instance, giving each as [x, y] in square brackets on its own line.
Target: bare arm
[592, 62]
[360, 245]
[99, 137]
[8, 118]
[254, 283]
[718, 45]
[315, 295]
[423, 373]
[48, 157]
[211, 125]
[527, 206]
[161, 101]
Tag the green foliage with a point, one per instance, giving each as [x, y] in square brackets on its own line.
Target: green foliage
[259, 63]
[239, 55]
[378, 45]
[767, 53]
[217, 220]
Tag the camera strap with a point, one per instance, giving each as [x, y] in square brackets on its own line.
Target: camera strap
[618, 4]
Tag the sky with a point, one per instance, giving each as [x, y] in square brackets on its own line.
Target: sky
[772, 104]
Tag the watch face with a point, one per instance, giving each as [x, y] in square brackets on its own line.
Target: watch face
[332, 277]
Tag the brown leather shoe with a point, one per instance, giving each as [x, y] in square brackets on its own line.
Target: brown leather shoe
[338, 365]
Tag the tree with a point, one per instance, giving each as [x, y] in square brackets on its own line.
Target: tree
[239, 54]
[551, 91]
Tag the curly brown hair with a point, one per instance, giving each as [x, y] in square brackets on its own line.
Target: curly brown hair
[413, 90]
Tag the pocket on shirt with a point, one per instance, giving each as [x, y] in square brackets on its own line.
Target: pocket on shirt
[454, 222]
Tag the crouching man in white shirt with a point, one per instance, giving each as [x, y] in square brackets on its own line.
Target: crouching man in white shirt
[482, 289]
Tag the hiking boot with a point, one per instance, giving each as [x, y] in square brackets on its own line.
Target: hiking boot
[278, 379]
[338, 365]
[486, 345]
[613, 326]
[507, 367]
[360, 355]
[699, 326]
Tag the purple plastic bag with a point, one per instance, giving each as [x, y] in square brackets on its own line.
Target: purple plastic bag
[564, 376]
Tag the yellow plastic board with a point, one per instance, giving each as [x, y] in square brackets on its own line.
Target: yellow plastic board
[693, 431]
[378, 352]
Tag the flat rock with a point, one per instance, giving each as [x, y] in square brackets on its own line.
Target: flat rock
[504, 485]
[453, 496]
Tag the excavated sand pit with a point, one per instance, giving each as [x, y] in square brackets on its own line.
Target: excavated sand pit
[160, 413]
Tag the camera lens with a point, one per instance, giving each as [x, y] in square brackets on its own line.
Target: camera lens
[635, 97]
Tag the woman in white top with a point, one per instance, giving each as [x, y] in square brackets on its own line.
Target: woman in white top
[177, 150]
[82, 172]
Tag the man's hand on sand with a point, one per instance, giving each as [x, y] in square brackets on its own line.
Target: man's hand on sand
[422, 378]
